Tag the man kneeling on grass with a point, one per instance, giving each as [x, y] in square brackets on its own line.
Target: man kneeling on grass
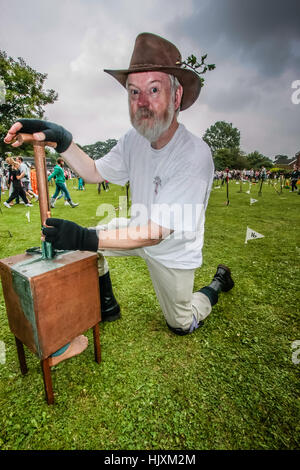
[170, 172]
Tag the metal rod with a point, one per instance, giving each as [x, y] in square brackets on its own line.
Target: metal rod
[41, 172]
[42, 183]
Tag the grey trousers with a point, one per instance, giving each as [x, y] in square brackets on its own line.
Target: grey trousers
[181, 307]
[173, 287]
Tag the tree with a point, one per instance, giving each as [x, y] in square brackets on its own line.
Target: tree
[222, 135]
[282, 159]
[24, 96]
[232, 158]
[256, 160]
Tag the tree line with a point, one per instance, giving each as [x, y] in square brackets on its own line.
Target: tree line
[22, 95]
[224, 142]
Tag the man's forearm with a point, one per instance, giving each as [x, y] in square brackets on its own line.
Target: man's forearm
[82, 164]
[67, 235]
[132, 237]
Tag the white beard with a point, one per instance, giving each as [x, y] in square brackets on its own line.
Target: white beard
[159, 125]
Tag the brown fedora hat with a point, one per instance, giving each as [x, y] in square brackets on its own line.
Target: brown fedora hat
[154, 53]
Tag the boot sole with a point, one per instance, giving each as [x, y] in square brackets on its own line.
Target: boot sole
[111, 316]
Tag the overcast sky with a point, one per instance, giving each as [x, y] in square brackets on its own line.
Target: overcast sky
[255, 45]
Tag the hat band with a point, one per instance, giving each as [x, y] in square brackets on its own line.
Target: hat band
[152, 65]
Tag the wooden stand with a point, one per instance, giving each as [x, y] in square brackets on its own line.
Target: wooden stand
[46, 368]
[50, 300]
[49, 303]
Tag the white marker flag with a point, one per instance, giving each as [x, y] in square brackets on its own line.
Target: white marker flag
[252, 201]
[2, 353]
[251, 235]
[28, 216]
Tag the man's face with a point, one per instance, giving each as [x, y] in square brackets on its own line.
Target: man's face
[151, 104]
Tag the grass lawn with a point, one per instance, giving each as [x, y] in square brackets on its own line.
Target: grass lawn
[232, 384]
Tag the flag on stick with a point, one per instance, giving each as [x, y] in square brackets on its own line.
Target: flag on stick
[252, 235]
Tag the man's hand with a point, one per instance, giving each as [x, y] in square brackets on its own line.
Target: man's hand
[66, 235]
[41, 130]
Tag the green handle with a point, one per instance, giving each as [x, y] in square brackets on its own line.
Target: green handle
[47, 250]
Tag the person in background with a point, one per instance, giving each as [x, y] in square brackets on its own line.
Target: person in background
[15, 178]
[33, 180]
[25, 178]
[80, 184]
[59, 175]
[295, 176]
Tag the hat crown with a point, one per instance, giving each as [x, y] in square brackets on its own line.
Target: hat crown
[150, 49]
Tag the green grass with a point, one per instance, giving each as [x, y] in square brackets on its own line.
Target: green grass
[231, 384]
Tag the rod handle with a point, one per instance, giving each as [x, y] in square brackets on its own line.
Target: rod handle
[28, 139]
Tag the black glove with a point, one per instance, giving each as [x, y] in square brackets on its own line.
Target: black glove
[66, 235]
[53, 132]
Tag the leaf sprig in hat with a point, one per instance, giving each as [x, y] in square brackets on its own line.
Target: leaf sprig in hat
[198, 67]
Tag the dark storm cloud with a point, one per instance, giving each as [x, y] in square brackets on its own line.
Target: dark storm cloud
[255, 45]
[264, 34]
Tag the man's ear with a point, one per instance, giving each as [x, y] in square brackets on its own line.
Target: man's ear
[178, 97]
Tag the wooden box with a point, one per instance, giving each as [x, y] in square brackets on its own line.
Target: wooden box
[51, 301]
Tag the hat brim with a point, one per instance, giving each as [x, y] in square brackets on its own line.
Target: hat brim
[189, 80]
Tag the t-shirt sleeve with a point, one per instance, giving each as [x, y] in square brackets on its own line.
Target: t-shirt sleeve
[24, 169]
[112, 167]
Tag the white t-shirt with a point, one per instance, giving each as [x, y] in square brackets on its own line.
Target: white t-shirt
[170, 186]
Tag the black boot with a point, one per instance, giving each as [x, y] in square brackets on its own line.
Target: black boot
[222, 282]
[110, 309]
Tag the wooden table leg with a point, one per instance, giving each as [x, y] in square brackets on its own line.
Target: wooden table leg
[47, 381]
[21, 356]
[97, 348]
